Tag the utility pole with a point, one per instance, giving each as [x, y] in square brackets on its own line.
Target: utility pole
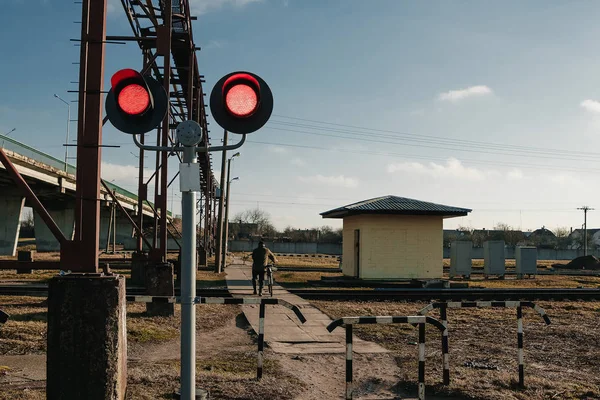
[226, 221]
[585, 242]
[219, 241]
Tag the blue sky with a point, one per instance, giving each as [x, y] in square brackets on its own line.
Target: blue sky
[493, 106]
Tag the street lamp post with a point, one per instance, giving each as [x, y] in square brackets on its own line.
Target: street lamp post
[68, 124]
[8, 133]
[226, 222]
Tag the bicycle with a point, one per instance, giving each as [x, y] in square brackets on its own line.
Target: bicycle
[269, 272]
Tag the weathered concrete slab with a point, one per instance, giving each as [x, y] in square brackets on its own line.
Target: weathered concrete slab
[284, 333]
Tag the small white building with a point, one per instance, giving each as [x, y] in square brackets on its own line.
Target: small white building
[393, 237]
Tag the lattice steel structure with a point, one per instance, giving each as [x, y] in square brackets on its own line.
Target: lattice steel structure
[163, 31]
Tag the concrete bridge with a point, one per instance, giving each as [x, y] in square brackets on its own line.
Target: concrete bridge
[53, 183]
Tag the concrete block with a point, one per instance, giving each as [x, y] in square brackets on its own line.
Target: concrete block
[25, 256]
[526, 261]
[87, 338]
[139, 261]
[493, 256]
[11, 206]
[160, 282]
[202, 256]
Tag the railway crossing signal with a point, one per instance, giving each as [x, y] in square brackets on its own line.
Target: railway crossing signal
[241, 102]
[135, 104]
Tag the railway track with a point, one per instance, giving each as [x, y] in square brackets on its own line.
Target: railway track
[377, 294]
[430, 294]
[41, 290]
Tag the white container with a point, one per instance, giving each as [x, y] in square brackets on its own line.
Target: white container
[460, 258]
[526, 261]
[493, 258]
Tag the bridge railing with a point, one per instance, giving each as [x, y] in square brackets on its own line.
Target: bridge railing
[11, 144]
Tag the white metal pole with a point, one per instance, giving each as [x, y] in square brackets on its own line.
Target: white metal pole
[188, 288]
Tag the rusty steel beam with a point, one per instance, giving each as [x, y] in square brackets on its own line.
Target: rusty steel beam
[37, 205]
[82, 255]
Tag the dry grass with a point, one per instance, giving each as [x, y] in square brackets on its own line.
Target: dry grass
[478, 263]
[290, 261]
[540, 281]
[230, 376]
[25, 332]
[561, 360]
[226, 366]
[206, 277]
[300, 279]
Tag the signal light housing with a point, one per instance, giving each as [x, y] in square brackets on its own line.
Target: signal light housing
[135, 104]
[241, 102]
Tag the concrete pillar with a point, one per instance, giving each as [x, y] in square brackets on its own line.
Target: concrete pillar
[63, 214]
[11, 206]
[87, 338]
[125, 232]
[159, 282]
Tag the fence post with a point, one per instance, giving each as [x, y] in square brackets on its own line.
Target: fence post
[520, 345]
[445, 345]
[349, 388]
[422, 361]
[261, 340]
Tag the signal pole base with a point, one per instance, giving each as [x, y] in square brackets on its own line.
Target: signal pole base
[87, 339]
[201, 394]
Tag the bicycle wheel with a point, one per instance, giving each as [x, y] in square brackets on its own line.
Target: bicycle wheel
[271, 284]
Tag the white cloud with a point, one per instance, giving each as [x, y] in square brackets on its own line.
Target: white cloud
[277, 149]
[205, 6]
[340, 180]
[515, 174]
[298, 162]
[122, 173]
[461, 94]
[591, 105]
[452, 169]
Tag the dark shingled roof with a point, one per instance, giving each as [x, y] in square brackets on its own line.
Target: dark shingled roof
[395, 205]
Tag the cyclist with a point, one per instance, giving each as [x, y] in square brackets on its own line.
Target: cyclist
[260, 259]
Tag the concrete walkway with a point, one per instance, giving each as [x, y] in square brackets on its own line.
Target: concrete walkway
[284, 333]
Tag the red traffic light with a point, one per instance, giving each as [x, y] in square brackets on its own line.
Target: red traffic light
[241, 102]
[242, 94]
[133, 99]
[135, 104]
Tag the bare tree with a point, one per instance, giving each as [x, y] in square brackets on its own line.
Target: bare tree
[260, 218]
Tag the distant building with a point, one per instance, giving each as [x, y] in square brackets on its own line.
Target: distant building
[393, 237]
[576, 238]
[543, 238]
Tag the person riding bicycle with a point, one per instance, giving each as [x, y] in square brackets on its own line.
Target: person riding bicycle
[260, 260]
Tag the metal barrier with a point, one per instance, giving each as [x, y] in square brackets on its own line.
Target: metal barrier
[3, 317]
[443, 306]
[233, 300]
[420, 320]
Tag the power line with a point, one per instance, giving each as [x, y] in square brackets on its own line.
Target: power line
[435, 138]
[461, 148]
[430, 158]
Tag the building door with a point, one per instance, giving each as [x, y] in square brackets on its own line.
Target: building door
[357, 253]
